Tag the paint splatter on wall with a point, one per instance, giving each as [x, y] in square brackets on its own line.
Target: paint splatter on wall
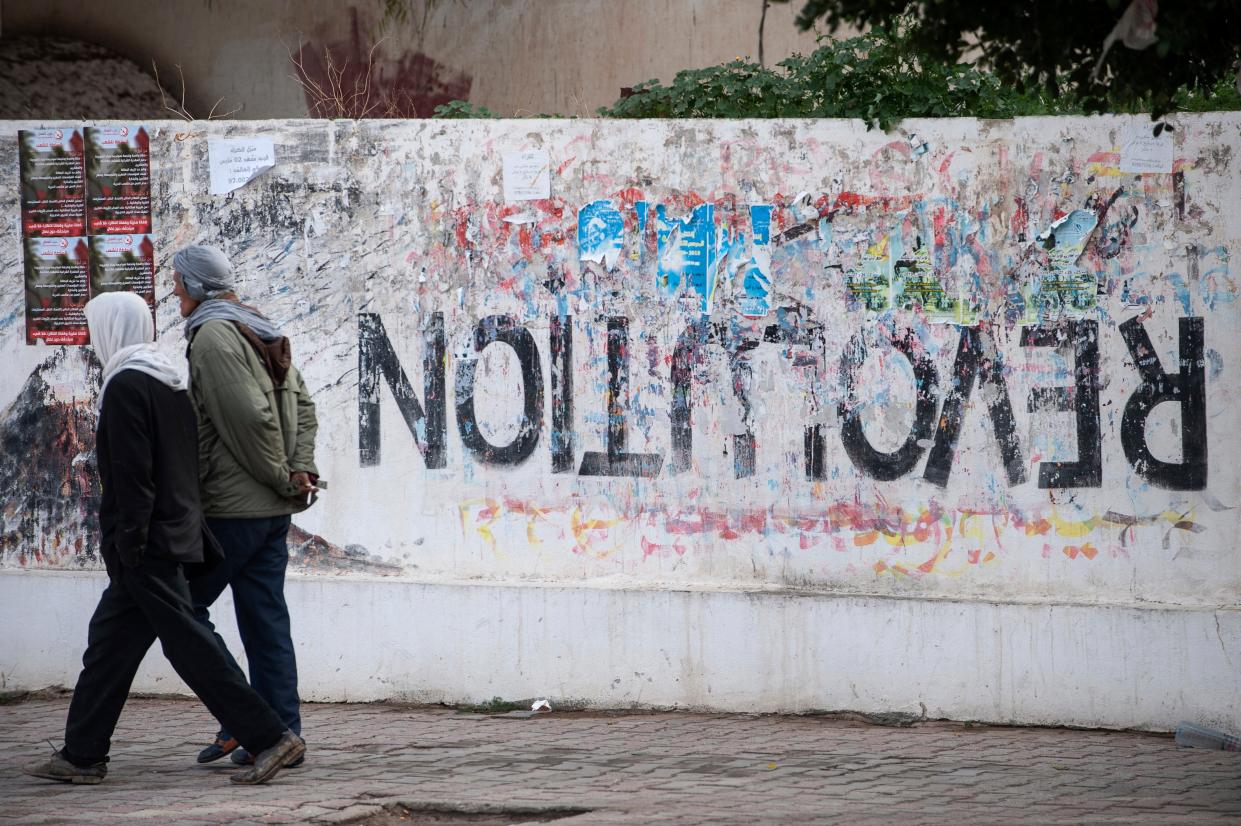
[997, 367]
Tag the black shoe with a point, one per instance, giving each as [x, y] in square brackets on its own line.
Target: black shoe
[58, 768]
[241, 757]
[268, 763]
[218, 748]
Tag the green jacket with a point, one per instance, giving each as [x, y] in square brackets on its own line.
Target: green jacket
[251, 434]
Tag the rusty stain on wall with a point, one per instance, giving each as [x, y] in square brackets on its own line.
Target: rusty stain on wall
[352, 77]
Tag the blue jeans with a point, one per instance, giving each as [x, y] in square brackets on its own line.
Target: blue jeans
[255, 557]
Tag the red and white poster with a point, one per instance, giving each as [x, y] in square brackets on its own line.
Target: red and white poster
[86, 223]
[53, 182]
[123, 263]
[118, 179]
[57, 288]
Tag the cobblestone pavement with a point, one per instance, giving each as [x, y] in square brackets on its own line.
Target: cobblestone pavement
[382, 764]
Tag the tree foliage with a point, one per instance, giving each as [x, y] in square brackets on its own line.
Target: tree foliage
[877, 77]
[1055, 45]
[881, 76]
[907, 66]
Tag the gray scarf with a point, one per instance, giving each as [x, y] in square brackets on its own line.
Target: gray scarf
[223, 308]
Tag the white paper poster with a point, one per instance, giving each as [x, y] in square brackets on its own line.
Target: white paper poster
[527, 175]
[237, 161]
[1141, 151]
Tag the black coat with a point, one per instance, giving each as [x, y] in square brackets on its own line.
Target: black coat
[147, 448]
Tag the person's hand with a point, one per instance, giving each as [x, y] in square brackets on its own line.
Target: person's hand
[301, 480]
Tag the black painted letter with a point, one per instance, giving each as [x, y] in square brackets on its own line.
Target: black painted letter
[687, 353]
[1188, 387]
[502, 328]
[1082, 398]
[615, 461]
[973, 363]
[377, 358]
[886, 466]
[561, 333]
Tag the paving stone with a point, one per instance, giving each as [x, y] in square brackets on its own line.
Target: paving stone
[642, 768]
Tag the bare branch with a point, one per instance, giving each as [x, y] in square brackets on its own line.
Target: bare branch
[344, 91]
[179, 112]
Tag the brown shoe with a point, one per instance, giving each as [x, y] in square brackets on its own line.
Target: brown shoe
[268, 763]
[58, 768]
[244, 758]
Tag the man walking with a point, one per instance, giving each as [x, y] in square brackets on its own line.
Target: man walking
[151, 525]
[256, 433]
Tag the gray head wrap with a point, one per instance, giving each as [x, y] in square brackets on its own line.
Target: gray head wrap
[205, 271]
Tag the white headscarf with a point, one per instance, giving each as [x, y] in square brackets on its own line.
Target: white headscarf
[121, 328]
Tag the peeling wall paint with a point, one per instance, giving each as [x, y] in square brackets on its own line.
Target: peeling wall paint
[756, 355]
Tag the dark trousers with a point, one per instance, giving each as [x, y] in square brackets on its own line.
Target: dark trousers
[140, 605]
[256, 555]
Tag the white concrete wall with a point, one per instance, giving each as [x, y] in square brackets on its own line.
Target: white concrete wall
[1028, 663]
[1000, 588]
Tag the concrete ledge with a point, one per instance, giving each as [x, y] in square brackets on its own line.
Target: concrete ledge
[364, 640]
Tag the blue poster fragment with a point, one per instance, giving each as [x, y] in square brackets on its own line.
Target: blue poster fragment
[600, 233]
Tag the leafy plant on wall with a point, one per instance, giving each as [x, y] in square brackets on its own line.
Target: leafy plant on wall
[893, 72]
[875, 76]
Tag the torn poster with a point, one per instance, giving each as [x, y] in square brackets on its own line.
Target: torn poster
[916, 284]
[237, 161]
[1064, 289]
[600, 233]
[868, 285]
[756, 282]
[689, 253]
